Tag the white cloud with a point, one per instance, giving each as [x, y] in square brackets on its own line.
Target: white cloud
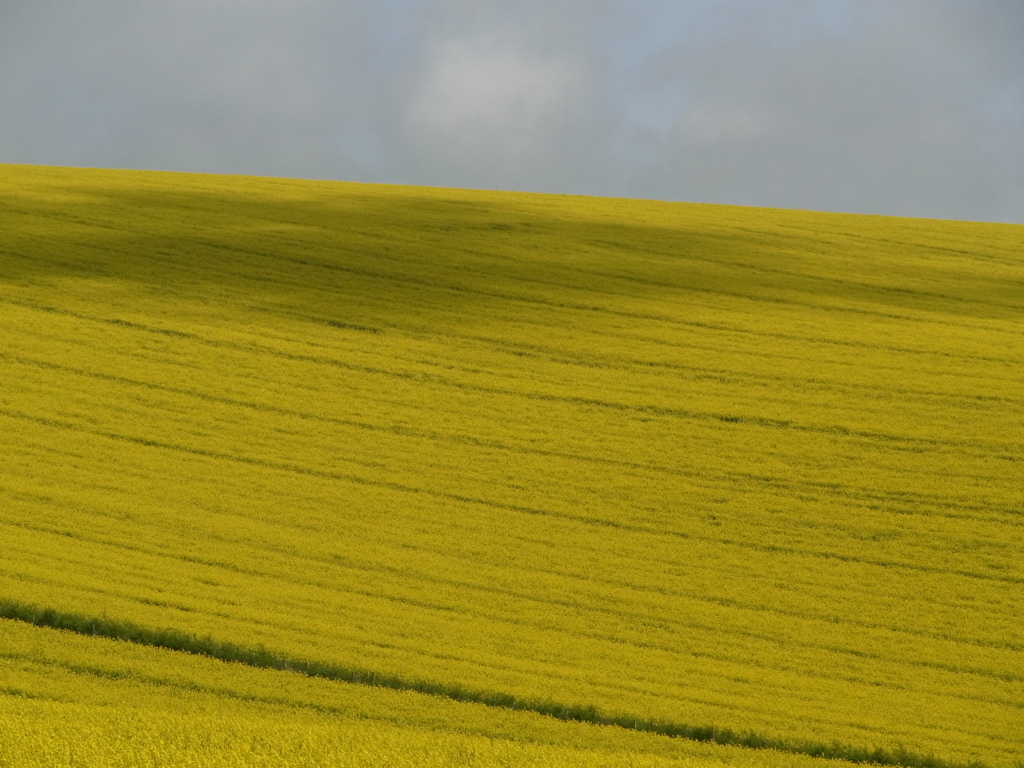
[477, 99]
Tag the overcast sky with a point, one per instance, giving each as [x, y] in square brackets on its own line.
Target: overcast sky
[908, 107]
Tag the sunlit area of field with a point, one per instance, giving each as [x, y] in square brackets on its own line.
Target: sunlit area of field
[74, 700]
[750, 469]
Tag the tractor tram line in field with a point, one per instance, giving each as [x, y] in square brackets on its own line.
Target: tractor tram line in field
[577, 518]
[543, 396]
[625, 616]
[934, 503]
[262, 659]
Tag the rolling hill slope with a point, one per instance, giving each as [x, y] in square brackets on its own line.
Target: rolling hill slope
[755, 469]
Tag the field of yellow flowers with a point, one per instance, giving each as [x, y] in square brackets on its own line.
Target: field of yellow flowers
[756, 470]
[70, 700]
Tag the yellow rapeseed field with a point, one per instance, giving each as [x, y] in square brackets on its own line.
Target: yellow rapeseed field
[755, 469]
[83, 701]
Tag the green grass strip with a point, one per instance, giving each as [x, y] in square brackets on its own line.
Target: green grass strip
[262, 658]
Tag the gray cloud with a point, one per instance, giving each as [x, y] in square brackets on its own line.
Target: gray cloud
[888, 111]
[912, 108]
